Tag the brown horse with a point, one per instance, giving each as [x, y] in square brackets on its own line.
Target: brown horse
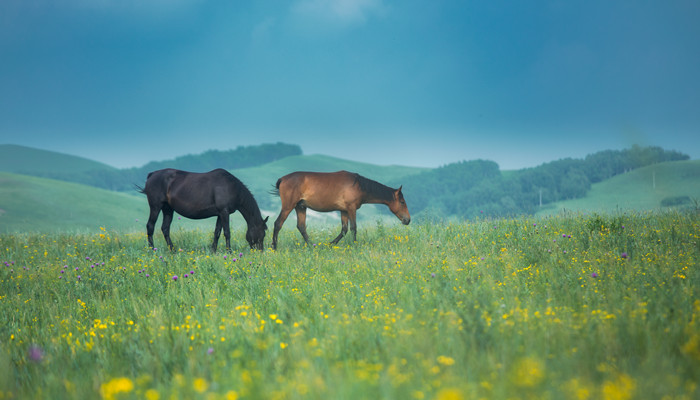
[335, 191]
[193, 195]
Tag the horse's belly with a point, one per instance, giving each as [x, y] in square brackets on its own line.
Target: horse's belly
[194, 212]
[320, 207]
[197, 215]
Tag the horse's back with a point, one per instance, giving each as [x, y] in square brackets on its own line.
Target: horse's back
[343, 177]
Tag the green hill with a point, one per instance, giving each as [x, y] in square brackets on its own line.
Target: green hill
[653, 187]
[30, 161]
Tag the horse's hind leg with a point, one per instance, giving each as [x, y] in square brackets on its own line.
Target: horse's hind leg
[165, 227]
[151, 224]
[278, 225]
[301, 221]
[344, 229]
[353, 223]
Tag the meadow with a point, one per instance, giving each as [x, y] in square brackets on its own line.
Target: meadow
[564, 307]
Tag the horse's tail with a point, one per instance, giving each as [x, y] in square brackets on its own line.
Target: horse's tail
[276, 190]
[141, 189]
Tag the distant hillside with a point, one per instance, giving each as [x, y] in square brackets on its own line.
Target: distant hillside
[30, 161]
[654, 187]
[38, 204]
[27, 161]
[477, 188]
[240, 157]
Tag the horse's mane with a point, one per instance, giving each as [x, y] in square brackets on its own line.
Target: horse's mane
[246, 197]
[374, 188]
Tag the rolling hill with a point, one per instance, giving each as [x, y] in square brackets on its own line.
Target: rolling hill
[640, 189]
[29, 203]
[30, 161]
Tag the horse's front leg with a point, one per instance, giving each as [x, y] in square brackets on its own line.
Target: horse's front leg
[344, 228]
[165, 227]
[278, 225]
[224, 218]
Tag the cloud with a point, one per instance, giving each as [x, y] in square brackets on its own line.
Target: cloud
[338, 12]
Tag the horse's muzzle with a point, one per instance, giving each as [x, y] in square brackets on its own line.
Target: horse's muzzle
[406, 221]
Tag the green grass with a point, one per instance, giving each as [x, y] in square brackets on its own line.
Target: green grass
[604, 307]
[641, 189]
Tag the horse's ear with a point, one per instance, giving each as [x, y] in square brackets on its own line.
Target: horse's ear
[400, 187]
[265, 220]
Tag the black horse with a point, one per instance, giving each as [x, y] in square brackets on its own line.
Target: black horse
[202, 195]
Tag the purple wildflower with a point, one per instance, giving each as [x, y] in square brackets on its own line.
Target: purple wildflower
[594, 275]
[35, 353]
[623, 255]
[174, 277]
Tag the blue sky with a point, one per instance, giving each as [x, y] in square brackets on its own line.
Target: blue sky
[420, 83]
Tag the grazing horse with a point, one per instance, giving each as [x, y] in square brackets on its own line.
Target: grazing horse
[193, 195]
[335, 191]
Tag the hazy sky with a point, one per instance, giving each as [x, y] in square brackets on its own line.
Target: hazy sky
[420, 83]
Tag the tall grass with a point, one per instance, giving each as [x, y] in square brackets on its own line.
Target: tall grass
[566, 307]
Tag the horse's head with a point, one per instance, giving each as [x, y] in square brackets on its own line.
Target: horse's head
[399, 208]
[256, 234]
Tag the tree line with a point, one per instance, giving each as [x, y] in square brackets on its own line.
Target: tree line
[240, 157]
[476, 188]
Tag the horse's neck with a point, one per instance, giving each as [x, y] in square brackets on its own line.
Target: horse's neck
[374, 199]
[250, 212]
[380, 194]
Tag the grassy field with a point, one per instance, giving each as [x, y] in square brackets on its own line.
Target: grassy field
[598, 307]
[641, 189]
